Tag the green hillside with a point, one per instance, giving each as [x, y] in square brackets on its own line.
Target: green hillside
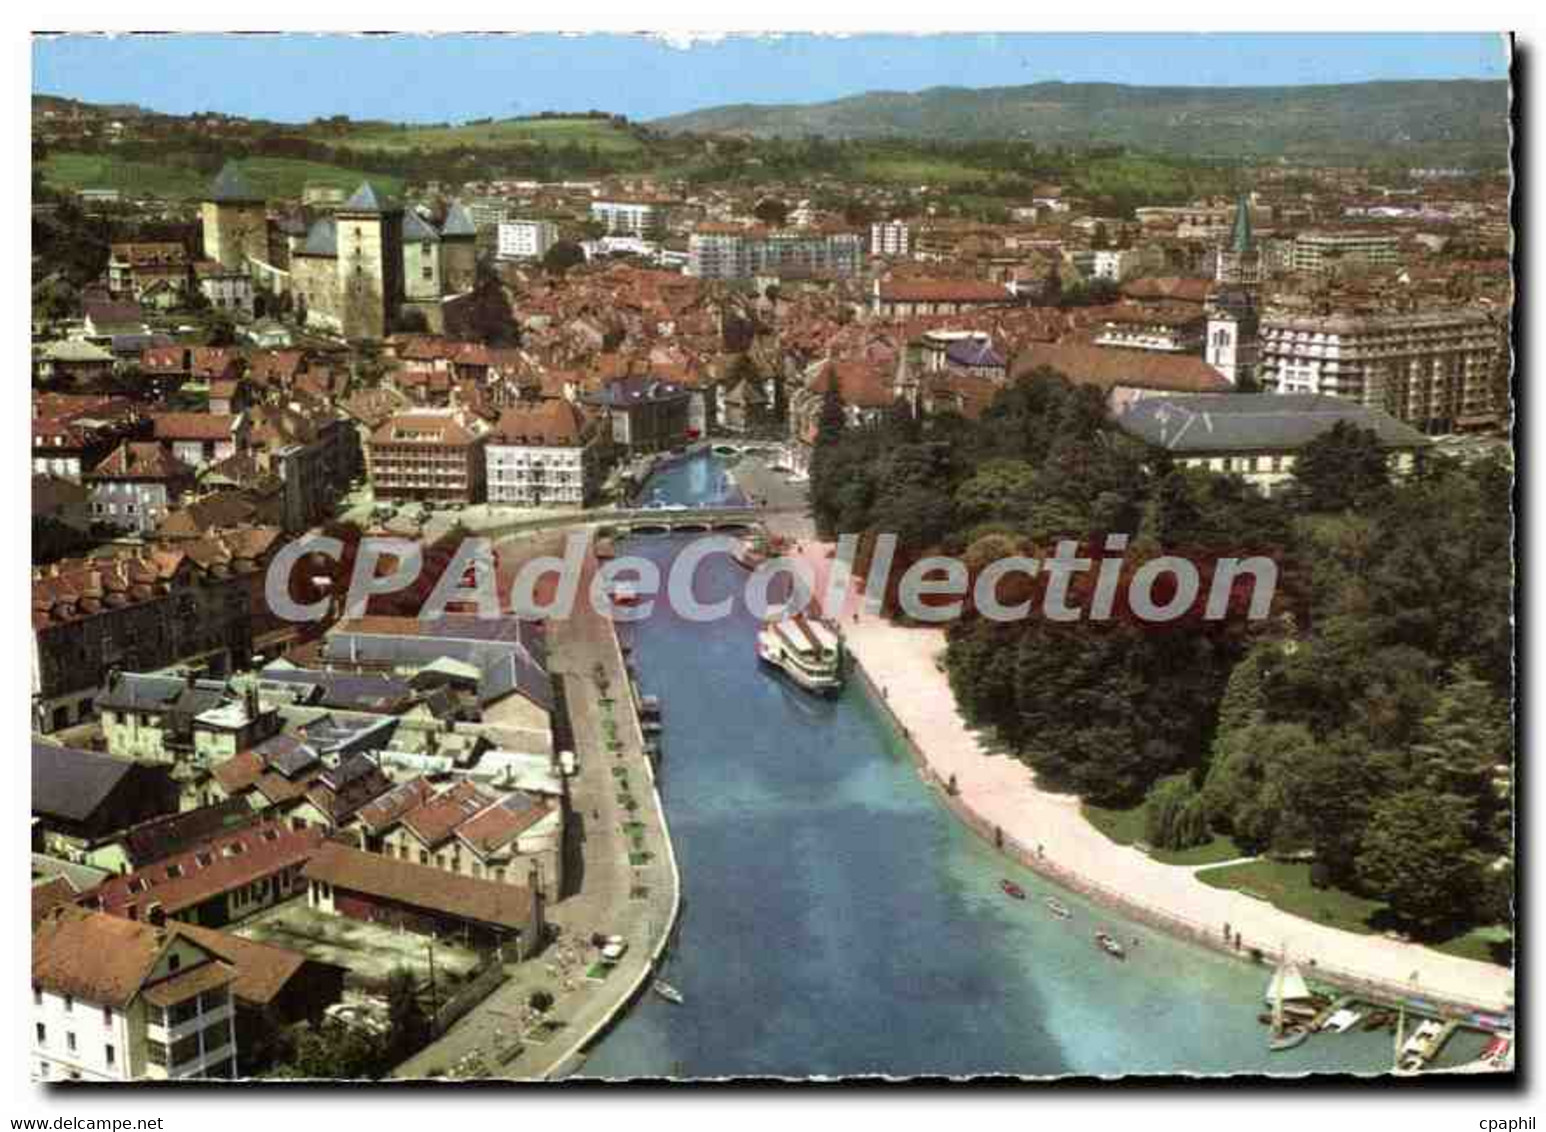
[177, 175]
[1361, 119]
[602, 133]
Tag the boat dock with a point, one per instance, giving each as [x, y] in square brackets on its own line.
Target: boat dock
[1320, 1019]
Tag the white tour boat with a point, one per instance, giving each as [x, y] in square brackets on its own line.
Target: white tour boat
[805, 650]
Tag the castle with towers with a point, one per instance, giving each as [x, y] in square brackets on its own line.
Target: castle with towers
[353, 272]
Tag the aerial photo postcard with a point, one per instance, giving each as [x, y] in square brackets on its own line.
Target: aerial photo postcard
[631, 557]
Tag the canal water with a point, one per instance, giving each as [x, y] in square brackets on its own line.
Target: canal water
[839, 921]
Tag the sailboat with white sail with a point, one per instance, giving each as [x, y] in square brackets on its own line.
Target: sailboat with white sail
[1287, 985]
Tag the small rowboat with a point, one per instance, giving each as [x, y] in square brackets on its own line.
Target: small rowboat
[1057, 908]
[1110, 946]
[668, 992]
[1012, 889]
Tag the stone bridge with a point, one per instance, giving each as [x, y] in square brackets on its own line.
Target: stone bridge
[642, 520]
[700, 519]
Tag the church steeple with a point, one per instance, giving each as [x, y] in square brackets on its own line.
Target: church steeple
[1242, 241]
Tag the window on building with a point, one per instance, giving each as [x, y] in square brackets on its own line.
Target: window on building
[107, 1016]
[69, 1004]
[112, 1055]
[37, 995]
[69, 1041]
[42, 1034]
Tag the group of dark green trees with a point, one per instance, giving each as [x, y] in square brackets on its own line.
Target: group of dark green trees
[1366, 720]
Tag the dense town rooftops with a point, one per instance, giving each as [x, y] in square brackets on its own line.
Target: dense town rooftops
[941, 291]
[1176, 288]
[144, 461]
[151, 254]
[195, 426]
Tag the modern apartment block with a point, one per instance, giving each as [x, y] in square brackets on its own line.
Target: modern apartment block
[890, 238]
[539, 455]
[717, 251]
[1320, 252]
[1434, 369]
[632, 216]
[526, 239]
[115, 999]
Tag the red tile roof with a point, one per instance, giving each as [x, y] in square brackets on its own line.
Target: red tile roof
[194, 426]
[218, 865]
[496, 903]
[1107, 367]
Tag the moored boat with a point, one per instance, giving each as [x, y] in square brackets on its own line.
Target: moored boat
[805, 650]
[1287, 986]
[1012, 889]
[1109, 944]
[668, 992]
[1057, 908]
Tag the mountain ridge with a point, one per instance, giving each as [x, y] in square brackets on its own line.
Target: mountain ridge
[1184, 120]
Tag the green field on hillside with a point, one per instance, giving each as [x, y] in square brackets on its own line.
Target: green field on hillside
[604, 135]
[176, 175]
[920, 170]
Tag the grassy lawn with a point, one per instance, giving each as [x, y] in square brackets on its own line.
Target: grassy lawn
[1125, 827]
[606, 137]
[917, 170]
[1286, 885]
[176, 176]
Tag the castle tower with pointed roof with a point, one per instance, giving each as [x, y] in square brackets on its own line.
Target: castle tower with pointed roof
[459, 250]
[235, 220]
[370, 263]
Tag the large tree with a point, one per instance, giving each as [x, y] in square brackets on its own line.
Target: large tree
[1417, 857]
[1344, 468]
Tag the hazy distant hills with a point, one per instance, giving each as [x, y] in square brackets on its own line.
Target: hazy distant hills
[1463, 115]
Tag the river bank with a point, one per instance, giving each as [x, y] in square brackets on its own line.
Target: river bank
[841, 921]
[999, 798]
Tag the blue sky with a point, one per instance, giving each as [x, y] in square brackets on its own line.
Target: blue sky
[453, 78]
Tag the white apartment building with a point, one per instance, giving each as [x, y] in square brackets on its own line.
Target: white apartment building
[538, 456]
[629, 217]
[890, 238]
[1319, 252]
[717, 251]
[1433, 369]
[1105, 263]
[489, 212]
[115, 999]
[526, 239]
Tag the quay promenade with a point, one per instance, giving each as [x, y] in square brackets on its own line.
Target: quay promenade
[611, 894]
[999, 798]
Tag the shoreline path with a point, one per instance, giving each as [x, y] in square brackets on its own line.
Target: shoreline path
[1001, 792]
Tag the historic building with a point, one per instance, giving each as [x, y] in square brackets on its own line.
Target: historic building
[1232, 344]
[235, 220]
[353, 270]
